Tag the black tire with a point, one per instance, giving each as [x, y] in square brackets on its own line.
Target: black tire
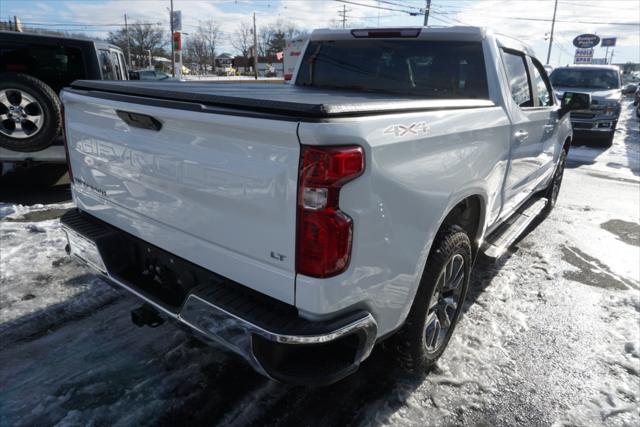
[410, 345]
[45, 108]
[607, 141]
[553, 190]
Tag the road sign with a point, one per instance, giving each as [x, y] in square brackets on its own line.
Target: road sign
[583, 56]
[586, 41]
[608, 42]
[599, 61]
[177, 20]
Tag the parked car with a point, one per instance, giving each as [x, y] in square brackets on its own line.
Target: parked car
[151, 75]
[604, 85]
[33, 70]
[301, 224]
[629, 89]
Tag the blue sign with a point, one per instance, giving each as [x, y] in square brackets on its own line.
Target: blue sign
[608, 42]
[586, 41]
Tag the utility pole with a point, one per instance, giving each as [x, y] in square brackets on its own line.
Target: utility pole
[426, 13]
[613, 49]
[126, 32]
[255, 48]
[173, 59]
[343, 14]
[553, 25]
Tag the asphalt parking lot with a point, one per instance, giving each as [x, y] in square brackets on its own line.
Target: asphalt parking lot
[550, 333]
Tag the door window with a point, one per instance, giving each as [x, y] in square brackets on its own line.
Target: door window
[516, 68]
[118, 67]
[123, 66]
[543, 88]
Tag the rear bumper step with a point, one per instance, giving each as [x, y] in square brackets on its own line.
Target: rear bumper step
[268, 333]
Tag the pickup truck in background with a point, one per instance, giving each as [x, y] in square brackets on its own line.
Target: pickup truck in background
[299, 225]
[603, 83]
[33, 70]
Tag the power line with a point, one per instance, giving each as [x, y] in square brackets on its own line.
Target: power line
[85, 25]
[379, 7]
[559, 20]
[399, 4]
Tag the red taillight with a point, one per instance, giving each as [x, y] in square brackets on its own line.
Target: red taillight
[324, 232]
[66, 145]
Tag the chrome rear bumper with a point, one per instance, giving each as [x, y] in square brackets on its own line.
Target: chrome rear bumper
[290, 350]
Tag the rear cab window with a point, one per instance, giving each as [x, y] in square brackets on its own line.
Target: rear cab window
[420, 68]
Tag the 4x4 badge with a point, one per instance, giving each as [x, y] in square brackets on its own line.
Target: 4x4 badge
[405, 130]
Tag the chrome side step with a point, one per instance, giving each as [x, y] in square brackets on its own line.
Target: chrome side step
[500, 240]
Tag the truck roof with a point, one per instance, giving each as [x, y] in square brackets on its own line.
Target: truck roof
[455, 33]
[48, 39]
[278, 99]
[591, 67]
[444, 33]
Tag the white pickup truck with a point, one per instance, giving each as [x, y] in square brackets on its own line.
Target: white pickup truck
[299, 225]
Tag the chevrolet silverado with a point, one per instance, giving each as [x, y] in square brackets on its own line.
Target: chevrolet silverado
[301, 224]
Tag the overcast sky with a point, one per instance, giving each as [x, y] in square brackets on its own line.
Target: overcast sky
[526, 19]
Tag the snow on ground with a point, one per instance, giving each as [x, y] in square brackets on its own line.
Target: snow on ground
[623, 158]
[549, 335]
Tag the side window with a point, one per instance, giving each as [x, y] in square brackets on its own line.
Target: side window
[117, 66]
[123, 65]
[543, 88]
[106, 65]
[518, 76]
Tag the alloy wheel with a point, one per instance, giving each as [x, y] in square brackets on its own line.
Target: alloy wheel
[444, 303]
[21, 116]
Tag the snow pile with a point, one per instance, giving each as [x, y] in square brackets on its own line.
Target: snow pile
[40, 286]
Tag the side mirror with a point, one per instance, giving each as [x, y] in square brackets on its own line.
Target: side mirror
[574, 101]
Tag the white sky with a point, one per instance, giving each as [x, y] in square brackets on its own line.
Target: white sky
[515, 17]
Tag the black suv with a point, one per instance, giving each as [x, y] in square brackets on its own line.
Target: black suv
[33, 70]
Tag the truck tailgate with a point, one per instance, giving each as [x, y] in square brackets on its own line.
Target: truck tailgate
[218, 190]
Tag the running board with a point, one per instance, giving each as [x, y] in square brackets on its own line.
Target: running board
[499, 241]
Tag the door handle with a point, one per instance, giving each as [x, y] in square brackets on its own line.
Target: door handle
[137, 120]
[521, 135]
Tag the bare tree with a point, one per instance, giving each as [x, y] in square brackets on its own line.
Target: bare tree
[142, 39]
[264, 36]
[209, 32]
[242, 39]
[197, 52]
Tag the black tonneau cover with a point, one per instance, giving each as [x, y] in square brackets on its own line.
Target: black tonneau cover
[278, 98]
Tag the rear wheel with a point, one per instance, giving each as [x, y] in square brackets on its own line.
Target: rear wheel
[30, 113]
[438, 302]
